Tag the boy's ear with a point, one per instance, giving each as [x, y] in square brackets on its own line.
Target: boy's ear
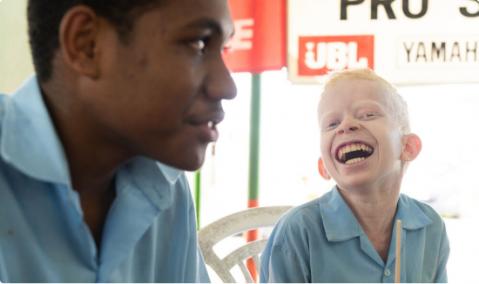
[78, 36]
[322, 169]
[412, 146]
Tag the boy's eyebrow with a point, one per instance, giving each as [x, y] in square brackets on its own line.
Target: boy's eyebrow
[369, 103]
[213, 25]
[326, 115]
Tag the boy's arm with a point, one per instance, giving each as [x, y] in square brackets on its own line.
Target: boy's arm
[286, 257]
[441, 275]
[282, 266]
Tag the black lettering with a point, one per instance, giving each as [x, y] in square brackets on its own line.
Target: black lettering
[455, 52]
[466, 13]
[472, 51]
[421, 52]
[438, 52]
[387, 7]
[344, 7]
[407, 11]
[408, 51]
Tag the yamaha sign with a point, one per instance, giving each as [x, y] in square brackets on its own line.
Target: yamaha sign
[406, 41]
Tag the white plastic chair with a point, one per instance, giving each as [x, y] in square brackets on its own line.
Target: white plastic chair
[233, 224]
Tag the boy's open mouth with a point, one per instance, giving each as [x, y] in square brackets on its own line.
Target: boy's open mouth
[353, 152]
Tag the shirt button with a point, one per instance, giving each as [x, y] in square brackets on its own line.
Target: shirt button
[387, 272]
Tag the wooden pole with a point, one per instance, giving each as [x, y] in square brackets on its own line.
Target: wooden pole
[397, 270]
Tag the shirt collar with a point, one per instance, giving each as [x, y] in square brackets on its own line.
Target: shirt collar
[412, 217]
[340, 224]
[154, 179]
[29, 141]
[171, 174]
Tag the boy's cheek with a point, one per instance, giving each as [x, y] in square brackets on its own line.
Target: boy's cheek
[325, 145]
[328, 164]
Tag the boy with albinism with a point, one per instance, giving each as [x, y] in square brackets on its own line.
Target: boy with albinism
[349, 234]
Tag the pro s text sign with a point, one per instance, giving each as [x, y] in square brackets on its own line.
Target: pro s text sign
[406, 41]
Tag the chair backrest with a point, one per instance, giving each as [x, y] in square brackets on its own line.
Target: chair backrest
[233, 224]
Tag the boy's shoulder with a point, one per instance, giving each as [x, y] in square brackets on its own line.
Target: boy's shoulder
[426, 208]
[310, 212]
[305, 215]
[297, 225]
[412, 204]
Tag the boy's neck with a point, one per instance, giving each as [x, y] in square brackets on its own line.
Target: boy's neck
[373, 201]
[375, 211]
[374, 207]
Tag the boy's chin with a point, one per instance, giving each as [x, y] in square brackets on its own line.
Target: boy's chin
[186, 161]
[356, 183]
[192, 164]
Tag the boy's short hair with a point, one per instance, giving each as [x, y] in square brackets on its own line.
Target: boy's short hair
[44, 17]
[395, 102]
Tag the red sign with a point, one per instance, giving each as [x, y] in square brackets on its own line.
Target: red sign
[319, 55]
[259, 43]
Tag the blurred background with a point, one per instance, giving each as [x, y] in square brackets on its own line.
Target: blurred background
[443, 112]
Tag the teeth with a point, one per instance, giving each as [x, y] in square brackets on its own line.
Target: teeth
[355, 160]
[353, 147]
[211, 124]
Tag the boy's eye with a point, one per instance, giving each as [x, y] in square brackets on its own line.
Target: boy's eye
[369, 115]
[199, 45]
[331, 125]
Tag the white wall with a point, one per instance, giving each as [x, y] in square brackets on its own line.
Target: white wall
[15, 60]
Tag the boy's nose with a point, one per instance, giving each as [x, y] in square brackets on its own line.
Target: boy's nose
[348, 125]
[220, 83]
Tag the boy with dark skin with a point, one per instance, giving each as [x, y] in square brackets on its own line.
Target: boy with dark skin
[122, 87]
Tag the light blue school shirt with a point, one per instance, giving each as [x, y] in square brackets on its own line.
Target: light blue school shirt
[149, 234]
[322, 241]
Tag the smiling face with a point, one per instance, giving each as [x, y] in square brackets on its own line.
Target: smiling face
[160, 94]
[361, 142]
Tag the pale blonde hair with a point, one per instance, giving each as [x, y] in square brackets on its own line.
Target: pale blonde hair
[395, 103]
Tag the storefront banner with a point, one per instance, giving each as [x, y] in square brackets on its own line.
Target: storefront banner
[406, 41]
[259, 43]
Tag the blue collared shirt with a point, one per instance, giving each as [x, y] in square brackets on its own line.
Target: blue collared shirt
[150, 231]
[322, 241]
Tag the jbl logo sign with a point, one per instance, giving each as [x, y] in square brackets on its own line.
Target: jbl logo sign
[319, 55]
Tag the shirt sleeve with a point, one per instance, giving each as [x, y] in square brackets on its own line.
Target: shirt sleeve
[441, 276]
[286, 257]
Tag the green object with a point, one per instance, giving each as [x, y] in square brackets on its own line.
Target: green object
[198, 197]
[253, 179]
